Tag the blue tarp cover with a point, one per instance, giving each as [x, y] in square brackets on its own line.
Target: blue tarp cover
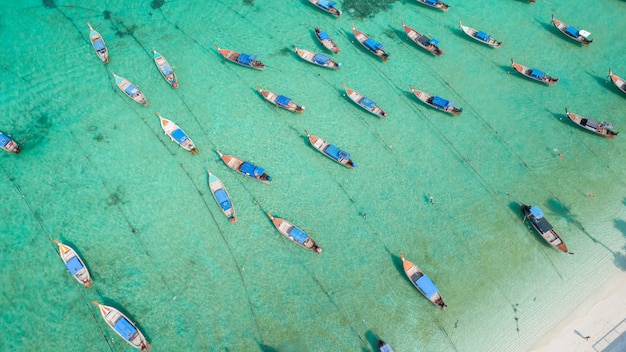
[431, 2]
[246, 59]
[74, 265]
[4, 140]
[537, 73]
[283, 100]
[385, 348]
[372, 44]
[433, 41]
[98, 44]
[427, 286]
[368, 103]
[326, 4]
[536, 212]
[321, 59]
[251, 170]
[167, 70]
[298, 235]
[482, 36]
[130, 90]
[125, 328]
[440, 102]
[222, 198]
[323, 35]
[180, 136]
[572, 31]
[337, 153]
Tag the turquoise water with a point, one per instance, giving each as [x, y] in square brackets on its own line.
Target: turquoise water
[97, 173]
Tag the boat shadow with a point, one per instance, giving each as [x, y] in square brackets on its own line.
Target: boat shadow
[620, 257]
[372, 339]
[551, 28]
[606, 82]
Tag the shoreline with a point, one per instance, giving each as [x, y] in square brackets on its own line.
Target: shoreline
[601, 317]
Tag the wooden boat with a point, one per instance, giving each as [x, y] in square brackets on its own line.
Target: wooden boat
[317, 59]
[124, 327]
[241, 58]
[534, 74]
[597, 127]
[434, 4]
[370, 44]
[98, 44]
[383, 346]
[222, 197]
[7, 143]
[423, 283]
[130, 90]
[74, 264]
[423, 41]
[543, 227]
[572, 33]
[619, 83]
[165, 68]
[177, 134]
[326, 40]
[281, 101]
[327, 6]
[365, 102]
[437, 102]
[480, 36]
[340, 156]
[245, 168]
[295, 234]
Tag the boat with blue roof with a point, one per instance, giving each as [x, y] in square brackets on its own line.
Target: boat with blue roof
[617, 81]
[435, 4]
[384, 347]
[242, 59]
[281, 101]
[295, 234]
[123, 327]
[7, 143]
[601, 128]
[537, 220]
[245, 168]
[317, 59]
[326, 40]
[74, 264]
[534, 74]
[370, 44]
[437, 102]
[423, 283]
[572, 33]
[340, 156]
[221, 196]
[364, 102]
[130, 90]
[429, 44]
[98, 44]
[480, 36]
[327, 6]
[165, 68]
[177, 134]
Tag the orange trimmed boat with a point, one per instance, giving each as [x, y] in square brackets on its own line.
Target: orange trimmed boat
[423, 283]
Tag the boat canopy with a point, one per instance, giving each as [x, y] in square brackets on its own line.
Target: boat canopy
[385, 348]
[589, 122]
[373, 45]
[433, 41]
[131, 90]
[251, 169]
[536, 73]
[431, 2]
[483, 36]
[283, 101]
[323, 35]
[326, 4]
[441, 102]
[246, 59]
[166, 69]
[427, 286]
[321, 59]
[572, 31]
[337, 153]
[368, 103]
[584, 33]
[125, 328]
[180, 136]
[4, 139]
[222, 198]
[536, 212]
[98, 44]
[74, 265]
[298, 235]
[424, 40]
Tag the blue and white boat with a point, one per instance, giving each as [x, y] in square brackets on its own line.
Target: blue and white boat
[245, 168]
[435, 4]
[384, 347]
[124, 327]
[364, 102]
[534, 74]
[281, 101]
[222, 197]
[340, 156]
[98, 45]
[327, 6]
[295, 234]
[130, 90]
[480, 36]
[165, 68]
[536, 217]
[74, 264]
[326, 40]
[177, 134]
[423, 283]
[242, 59]
[7, 143]
[429, 44]
[437, 102]
[370, 44]
[572, 33]
[317, 59]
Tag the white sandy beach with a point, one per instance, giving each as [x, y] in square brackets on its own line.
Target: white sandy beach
[601, 317]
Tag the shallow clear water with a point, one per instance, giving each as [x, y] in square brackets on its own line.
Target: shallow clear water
[96, 172]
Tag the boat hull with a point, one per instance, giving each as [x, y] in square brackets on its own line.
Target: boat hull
[74, 264]
[177, 135]
[428, 100]
[364, 102]
[563, 28]
[421, 40]
[544, 229]
[474, 34]
[314, 59]
[322, 146]
[276, 100]
[295, 234]
[221, 196]
[165, 69]
[234, 56]
[362, 38]
[328, 9]
[591, 125]
[527, 72]
[422, 283]
[328, 43]
[245, 168]
[114, 318]
[99, 45]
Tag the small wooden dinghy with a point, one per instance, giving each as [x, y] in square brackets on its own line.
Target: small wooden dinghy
[222, 197]
[130, 90]
[295, 234]
[98, 44]
[165, 68]
[177, 134]
[423, 283]
[74, 264]
[124, 327]
[281, 101]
